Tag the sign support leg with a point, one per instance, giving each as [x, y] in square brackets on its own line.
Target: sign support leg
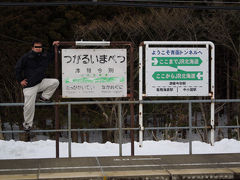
[140, 98]
[211, 45]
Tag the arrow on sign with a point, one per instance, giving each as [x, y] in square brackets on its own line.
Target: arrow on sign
[176, 61]
[177, 75]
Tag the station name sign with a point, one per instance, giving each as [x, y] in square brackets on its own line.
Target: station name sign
[88, 73]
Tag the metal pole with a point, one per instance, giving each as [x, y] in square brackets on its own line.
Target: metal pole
[132, 97]
[69, 132]
[56, 99]
[212, 91]
[131, 84]
[120, 128]
[140, 115]
[190, 126]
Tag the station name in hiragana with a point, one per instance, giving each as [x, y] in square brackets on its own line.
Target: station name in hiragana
[81, 87]
[92, 59]
[112, 87]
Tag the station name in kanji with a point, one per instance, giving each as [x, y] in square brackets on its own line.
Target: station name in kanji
[92, 59]
[89, 70]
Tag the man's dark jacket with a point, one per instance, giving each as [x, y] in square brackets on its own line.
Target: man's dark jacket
[32, 66]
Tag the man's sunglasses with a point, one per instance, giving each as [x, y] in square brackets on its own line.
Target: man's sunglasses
[38, 47]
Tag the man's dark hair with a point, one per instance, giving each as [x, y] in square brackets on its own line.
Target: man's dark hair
[36, 41]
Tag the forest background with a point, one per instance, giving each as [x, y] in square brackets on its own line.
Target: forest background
[19, 26]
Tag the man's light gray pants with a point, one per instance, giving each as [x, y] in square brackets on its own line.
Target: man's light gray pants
[47, 87]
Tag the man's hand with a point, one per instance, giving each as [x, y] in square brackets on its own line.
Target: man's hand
[55, 43]
[23, 83]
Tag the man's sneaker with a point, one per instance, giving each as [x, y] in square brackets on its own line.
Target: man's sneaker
[41, 99]
[27, 134]
[27, 129]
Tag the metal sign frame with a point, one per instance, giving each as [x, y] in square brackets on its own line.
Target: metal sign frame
[176, 71]
[100, 44]
[211, 50]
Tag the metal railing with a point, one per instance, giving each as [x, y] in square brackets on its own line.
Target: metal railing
[120, 128]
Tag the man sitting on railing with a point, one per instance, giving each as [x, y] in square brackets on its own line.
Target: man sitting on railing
[30, 73]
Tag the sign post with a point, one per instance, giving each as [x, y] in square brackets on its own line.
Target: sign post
[176, 68]
[96, 73]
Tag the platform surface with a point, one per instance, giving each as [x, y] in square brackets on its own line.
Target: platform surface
[211, 166]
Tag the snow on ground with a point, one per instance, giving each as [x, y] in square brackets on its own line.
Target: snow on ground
[46, 148]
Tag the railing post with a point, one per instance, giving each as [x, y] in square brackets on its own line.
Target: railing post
[120, 128]
[69, 132]
[190, 126]
[140, 114]
[57, 99]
